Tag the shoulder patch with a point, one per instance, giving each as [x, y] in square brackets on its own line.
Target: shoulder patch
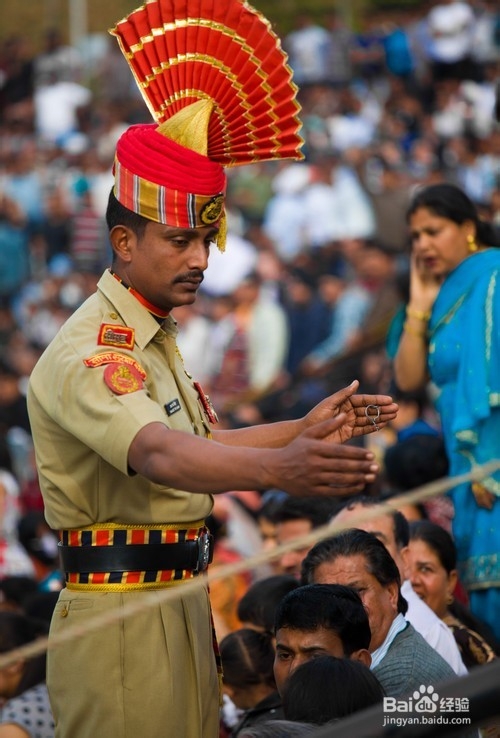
[123, 378]
[113, 357]
[111, 334]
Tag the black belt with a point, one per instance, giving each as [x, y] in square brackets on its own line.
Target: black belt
[192, 555]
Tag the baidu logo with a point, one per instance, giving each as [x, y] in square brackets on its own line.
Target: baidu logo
[426, 699]
[425, 707]
[423, 699]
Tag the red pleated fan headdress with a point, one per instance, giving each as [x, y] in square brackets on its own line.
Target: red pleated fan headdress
[217, 83]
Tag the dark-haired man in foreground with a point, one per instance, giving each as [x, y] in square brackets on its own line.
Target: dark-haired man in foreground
[317, 620]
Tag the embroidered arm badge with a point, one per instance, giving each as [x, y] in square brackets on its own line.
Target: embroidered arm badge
[122, 374]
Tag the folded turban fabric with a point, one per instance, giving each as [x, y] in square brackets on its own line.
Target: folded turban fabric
[166, 182]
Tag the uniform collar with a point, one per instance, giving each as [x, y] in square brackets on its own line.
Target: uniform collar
[129, 310]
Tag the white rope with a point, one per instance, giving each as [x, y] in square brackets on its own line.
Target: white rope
[150, 599]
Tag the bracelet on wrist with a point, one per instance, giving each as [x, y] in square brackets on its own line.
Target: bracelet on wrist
[413, 331]
[423, 315]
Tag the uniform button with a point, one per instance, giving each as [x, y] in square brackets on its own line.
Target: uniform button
[64, 612]
[114, 316]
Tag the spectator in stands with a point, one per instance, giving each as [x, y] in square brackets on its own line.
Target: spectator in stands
[392, 529]
[40, 543]
[270, 502]
[307, 48]
[317, 620]
[401, 659]
[349, 303]
[16, 83]
[15, 591]
[13, 410]
[451, 28]
[308, 316]
[257, 608]
[25, 709]
[432, 566]
[57, 62]
[23, 183]
[247, 660]
[13, 558]
[256, 351]
[14, 249]
[414, 461]
[338, 61]
[296, 517]
[455, 302]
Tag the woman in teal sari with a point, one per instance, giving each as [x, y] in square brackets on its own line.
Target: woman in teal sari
[451, 334]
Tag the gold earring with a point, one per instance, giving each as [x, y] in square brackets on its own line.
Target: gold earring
[471, 242]
[449, 599]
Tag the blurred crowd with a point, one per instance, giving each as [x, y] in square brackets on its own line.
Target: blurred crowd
[316, 265]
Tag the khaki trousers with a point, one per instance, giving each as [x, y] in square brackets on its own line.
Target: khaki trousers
[151, 675]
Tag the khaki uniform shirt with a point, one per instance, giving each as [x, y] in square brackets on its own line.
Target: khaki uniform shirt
[82, 427]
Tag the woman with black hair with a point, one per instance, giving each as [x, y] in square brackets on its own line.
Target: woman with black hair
[26, 710]
[247, 660]
[451, 335]
[432, 562]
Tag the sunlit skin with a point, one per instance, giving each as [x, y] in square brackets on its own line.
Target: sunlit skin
[380, 601]
[439, 244]
[165, 265]
[429, 578]
[356, 423]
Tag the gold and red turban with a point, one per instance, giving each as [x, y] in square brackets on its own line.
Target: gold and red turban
[163, 181]
[217, 83]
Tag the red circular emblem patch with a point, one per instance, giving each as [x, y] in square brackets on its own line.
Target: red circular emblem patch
[122, 378]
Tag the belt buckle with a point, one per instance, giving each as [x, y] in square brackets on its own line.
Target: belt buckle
[205, 551]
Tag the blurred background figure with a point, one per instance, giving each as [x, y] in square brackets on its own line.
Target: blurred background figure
[307, 47]
[14, 559]
[26, 709]
[451, 28]
[15, 591]
[270, 502]
[296, 517]
[257, 607]
[40, 543]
